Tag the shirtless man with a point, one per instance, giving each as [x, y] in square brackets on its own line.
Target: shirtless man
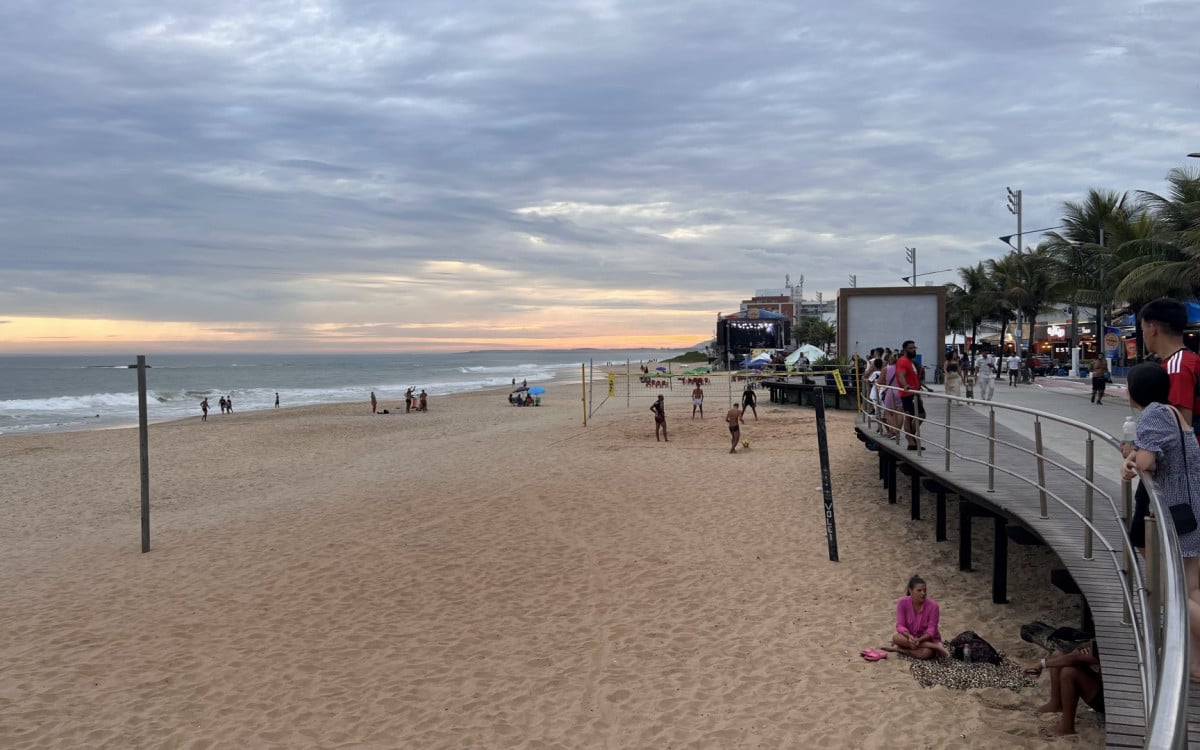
[660, 418]
[698, 401]
[733, 417]
[374, 402]
[408, 399]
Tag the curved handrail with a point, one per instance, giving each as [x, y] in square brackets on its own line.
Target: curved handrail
[1162, 643]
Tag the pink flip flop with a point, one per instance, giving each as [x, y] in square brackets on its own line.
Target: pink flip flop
[871, 654]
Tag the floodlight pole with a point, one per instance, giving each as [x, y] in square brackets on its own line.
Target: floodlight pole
[1015, 207]
[910, 254]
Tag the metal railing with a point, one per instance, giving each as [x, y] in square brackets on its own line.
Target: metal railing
[1155, 594]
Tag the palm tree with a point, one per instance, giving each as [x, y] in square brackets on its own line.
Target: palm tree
[1000, 306]
[1083, 260]
[1026, 282]
[959, 309]
[979, 295]
[1163, 254]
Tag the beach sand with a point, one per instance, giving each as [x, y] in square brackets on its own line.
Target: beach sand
[483, 576]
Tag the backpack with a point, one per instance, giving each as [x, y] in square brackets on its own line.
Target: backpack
[981, 650]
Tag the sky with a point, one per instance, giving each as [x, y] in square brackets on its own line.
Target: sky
[311, 175]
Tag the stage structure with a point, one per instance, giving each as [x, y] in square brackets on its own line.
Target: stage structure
[740, 333]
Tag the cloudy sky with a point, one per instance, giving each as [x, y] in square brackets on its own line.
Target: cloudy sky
[314, 175]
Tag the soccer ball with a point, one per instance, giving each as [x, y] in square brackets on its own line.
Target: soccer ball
[745, 443]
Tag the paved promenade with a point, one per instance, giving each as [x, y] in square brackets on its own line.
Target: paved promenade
[1066, 397]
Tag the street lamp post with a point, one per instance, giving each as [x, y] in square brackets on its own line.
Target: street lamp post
[910, 254]
[1014, 207]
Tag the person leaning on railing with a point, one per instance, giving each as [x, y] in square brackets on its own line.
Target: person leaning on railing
[1166, 450]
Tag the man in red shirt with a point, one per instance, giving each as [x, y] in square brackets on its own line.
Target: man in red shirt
[906, 377]
[1163, 321]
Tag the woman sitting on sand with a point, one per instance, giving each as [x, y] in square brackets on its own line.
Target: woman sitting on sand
[917, 624]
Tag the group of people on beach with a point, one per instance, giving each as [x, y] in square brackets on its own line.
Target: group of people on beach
[734, 418]
[226, 404]
[1074, 672]
[411, 402]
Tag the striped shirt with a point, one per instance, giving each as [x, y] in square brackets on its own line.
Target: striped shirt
[1184, 369]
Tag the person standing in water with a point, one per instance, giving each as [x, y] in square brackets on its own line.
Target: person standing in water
[276, 399]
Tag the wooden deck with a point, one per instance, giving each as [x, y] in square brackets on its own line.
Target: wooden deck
[1018, 501]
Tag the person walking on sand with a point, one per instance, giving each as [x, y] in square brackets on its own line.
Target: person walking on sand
[229, 403]
[204, 410]
[733, 418]
[660, 418]
[749, 400]
[698, 401]
[374, 402]
[276, 399]
[424, 401]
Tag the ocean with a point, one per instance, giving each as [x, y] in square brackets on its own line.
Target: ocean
[60, 393]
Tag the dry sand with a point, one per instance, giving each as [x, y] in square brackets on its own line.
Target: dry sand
[482, 576]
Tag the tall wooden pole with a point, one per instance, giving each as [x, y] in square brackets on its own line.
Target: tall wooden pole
[144, 444]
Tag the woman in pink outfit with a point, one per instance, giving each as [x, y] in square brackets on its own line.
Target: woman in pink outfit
[917, 632]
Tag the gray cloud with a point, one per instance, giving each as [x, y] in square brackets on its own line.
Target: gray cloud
[254, 164]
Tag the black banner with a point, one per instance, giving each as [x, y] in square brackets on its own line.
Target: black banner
[826, 479]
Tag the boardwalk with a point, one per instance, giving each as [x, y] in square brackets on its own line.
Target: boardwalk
[1018, 501]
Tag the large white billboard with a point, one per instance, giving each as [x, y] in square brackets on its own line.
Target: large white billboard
[871, 317]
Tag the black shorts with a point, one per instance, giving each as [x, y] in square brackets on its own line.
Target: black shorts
[909, 404]
[1098, 384]
[734, 429]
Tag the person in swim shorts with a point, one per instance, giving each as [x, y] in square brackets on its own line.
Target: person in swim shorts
[734, 417]
[660, 418]
[698, 401]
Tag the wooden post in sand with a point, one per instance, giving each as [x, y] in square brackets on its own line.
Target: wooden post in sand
[144, 445]
[826, 480]
[583, 385]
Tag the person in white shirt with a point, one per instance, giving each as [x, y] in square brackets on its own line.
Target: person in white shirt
[986, 376]
[1014, 369]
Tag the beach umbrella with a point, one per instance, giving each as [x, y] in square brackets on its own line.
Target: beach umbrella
[536, 390]
[661, 369]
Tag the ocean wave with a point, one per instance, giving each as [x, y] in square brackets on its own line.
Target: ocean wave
[67, 404]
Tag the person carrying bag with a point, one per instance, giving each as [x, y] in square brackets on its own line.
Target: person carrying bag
[1165, 452]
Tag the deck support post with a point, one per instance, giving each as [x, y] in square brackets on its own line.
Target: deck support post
[965, 511]
[915, 511]
[1000, 560]
[940, 531]
[891, 480]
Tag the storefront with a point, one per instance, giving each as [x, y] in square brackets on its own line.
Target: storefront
[1054, 340]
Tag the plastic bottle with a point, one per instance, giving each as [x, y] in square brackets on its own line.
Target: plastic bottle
[1129, 431]
[967, 655]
